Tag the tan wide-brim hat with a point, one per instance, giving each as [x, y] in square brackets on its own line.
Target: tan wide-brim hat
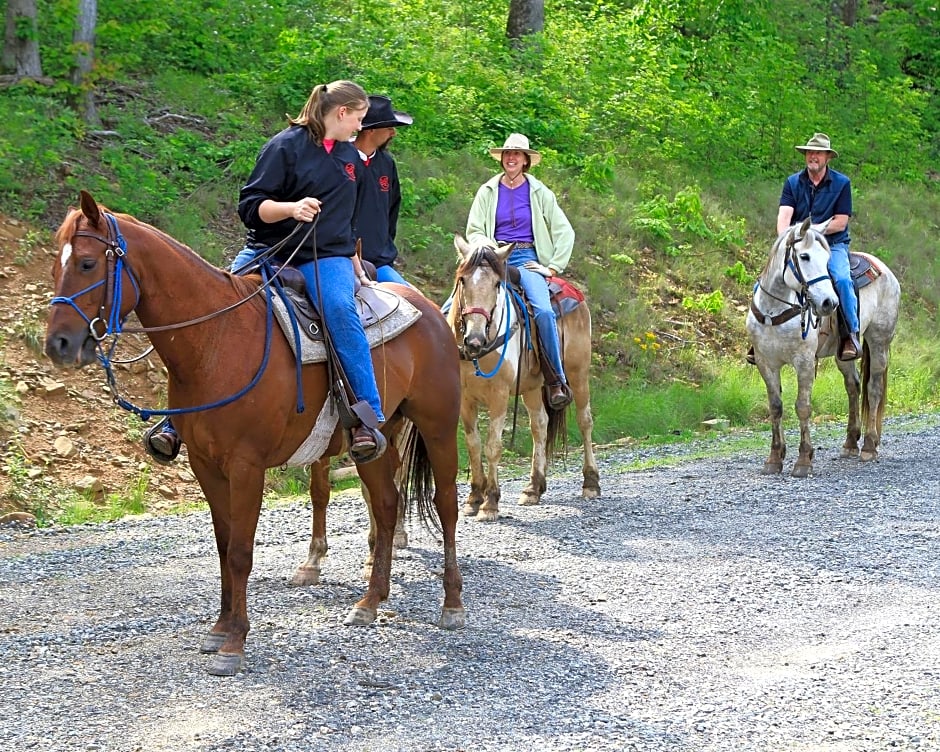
[517, 142]
[819, 142]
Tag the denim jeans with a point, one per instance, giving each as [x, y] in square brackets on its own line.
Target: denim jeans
[337, 283]
[535, 287]
[387, 273]
[841, 274]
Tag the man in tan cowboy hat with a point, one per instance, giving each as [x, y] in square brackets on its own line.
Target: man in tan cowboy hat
[824, 194]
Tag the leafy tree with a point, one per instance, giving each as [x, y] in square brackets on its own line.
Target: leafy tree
[21, 40]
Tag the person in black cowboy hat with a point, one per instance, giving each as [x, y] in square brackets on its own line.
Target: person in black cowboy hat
[380, 200]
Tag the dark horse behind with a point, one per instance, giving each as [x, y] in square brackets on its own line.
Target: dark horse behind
[215, 346]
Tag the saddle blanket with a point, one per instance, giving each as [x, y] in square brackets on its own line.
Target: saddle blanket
[565, 296]
[384, 316]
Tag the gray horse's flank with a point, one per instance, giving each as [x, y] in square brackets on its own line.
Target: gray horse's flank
[791, 321]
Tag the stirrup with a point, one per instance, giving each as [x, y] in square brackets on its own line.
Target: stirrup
[559, 396]
[367, 451]
[162, 445]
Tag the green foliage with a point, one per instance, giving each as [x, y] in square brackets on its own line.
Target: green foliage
[711, 302]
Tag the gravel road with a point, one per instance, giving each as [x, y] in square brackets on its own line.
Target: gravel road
[696, 606]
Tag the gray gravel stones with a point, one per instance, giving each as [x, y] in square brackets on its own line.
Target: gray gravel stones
[696, 606]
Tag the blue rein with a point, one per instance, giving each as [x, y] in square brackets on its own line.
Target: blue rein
[117, 246]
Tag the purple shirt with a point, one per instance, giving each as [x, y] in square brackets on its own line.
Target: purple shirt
[514, 215]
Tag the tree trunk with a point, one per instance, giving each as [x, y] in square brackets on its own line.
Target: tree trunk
[21, 40]
[525, 17]
[849, 12]
[84, 39]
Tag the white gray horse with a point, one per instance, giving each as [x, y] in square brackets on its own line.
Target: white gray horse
[791, 321]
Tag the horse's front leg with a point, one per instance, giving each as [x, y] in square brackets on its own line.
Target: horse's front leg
[853, 429]
[805, 375]
[538, 424]
[469, 414]
[308, 573]
[497, 406]
[235, 504]
[778, 443]
[379, 478]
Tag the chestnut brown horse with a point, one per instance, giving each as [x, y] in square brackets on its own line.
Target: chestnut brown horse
[497, 364]
[236, 383]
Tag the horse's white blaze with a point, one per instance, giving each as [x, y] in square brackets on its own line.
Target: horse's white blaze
[66, 254]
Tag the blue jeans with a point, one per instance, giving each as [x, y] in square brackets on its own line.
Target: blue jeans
[535, 287]
[337, 283]
[841, 274]
[387, 273]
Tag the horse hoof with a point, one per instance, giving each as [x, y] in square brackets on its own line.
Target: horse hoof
[801, 471]
[772, 468]
[590, 492]
[453, 618]
[360, 617]
[529, 500]
[305, 576]
[470, 510]
[225, 664]
[868, 456]
[212, 642]
[487, 515]
[849, 453]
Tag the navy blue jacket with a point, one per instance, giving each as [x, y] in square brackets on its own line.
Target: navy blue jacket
[832, 196]
[379, 204]
[290, 167]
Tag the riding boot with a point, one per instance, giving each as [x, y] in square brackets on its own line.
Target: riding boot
[850, 348]
[557, 392]
[162, 442]
[750, 357]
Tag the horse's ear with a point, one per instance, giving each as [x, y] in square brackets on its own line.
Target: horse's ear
[462, 246]
[804, 228]
[89, 207]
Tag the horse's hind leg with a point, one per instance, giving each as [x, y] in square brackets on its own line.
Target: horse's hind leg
[308, 573]
[853, 429]
[874, 395]
[578, 380]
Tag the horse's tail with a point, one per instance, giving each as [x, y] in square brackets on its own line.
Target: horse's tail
[866, 378]
[556, 435]
[417, 478]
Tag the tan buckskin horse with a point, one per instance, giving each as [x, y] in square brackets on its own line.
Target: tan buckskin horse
[791, 321]
[238, 389]
[496, 364]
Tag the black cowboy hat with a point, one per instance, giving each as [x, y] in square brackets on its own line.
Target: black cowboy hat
[381, 114]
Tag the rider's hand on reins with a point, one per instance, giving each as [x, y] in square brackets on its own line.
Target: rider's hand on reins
[306, 209]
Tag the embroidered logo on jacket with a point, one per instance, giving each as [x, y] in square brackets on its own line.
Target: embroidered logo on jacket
[384, 183]
[350, 170]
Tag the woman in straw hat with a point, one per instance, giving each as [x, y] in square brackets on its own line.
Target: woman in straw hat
[514, 207]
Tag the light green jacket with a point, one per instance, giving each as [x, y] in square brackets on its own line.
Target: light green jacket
[553, 233]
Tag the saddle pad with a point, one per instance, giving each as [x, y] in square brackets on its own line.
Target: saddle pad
[398, 315]
[565, 296]
[317, 442]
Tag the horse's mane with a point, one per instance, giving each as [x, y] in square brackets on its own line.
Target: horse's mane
[482, 256]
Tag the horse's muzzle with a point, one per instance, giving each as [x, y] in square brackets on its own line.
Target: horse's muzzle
[70, 348]
[473, 346]
[826, 307]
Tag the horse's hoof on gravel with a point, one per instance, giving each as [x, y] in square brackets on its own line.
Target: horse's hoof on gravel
[212, 642]
[801, 471]
[453, 618]
[225, 664]
[868, 456]
[359, 617]
[589, 494]
[304, 576]
[529, 500]
[772, 468]
[849, 453]
[470, 510]
[487, 515]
